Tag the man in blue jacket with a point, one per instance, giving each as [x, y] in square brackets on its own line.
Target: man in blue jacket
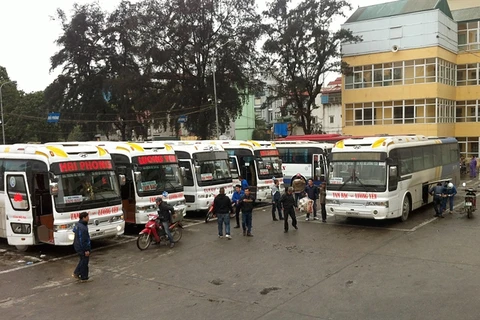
[82, 246]
[236, 197]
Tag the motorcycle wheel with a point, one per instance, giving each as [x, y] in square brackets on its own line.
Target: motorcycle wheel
[208, 217]
[143, 241]
[469, 212]
[177, 234]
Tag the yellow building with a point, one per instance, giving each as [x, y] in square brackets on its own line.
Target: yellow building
[416, 70]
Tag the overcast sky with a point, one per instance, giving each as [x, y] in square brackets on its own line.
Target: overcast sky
[27, 36]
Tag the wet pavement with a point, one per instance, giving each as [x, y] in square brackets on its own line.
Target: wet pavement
[424, 268]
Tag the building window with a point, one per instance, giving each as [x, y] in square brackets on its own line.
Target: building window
[402, 72]
[332, 119]
[468, 36]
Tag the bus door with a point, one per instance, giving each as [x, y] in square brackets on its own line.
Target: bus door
[234, 169]
[320, 167]
[18, 209]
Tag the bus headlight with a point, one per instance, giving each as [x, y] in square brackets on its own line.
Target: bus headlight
[332, 201]
[71, 236]
[181, 202]
[63, 227]
[116, 218]
[377, 203]
[146, 208]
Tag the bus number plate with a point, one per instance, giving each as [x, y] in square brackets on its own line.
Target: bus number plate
[97, 234]
[468, 204]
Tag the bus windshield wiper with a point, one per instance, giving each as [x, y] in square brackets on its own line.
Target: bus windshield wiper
[343, 185]
[361, 183]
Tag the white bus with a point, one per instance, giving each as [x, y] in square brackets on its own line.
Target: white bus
[151, 170]
[45, 187]
[388, 177]
[256, 161]
[305, 157]
[205, 172]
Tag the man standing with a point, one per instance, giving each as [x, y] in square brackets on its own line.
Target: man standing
[82, 246]
[222, 207]
[276, 201]
[298, 184]
[323, 197]
[311, 191]
[165, 212]
[236, 197]
[437, 193]
[247, 208]
[289, 205]
[449, 192]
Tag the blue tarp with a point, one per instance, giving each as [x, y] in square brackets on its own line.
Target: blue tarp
[280, 129]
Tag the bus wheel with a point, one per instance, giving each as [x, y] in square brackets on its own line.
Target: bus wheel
[405, 209]
[22, 248]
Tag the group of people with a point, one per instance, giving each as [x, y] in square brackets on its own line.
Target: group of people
[443, 194]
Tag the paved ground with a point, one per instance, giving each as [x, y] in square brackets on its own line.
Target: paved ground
[426, 268]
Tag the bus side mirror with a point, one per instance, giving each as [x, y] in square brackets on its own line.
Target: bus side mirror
[53, 188]
[182, 171]
[137, 175]
[52, 176]
[197, 168]
[122, 179]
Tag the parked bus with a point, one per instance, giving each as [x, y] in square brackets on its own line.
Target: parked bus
[151, 171]
[45, 187]
[324, 138]
[206, 170]
[305, 157]
[256, 161]
[388, 177]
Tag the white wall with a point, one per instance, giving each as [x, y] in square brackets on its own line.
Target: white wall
[408, 31]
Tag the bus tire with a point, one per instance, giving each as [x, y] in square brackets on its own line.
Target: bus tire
[405, 208]
[22, 248]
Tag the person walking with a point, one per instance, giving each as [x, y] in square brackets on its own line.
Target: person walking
[289, 205]
[449, 193]
[236, 197]
[437, 193]
[473, 167]
[298, 183]
[246, 204]
[222, 207]
[276, 200]
[323, 196]
[311, 191]
[82, 246]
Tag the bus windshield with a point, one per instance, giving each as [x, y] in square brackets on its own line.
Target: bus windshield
[158, 178]
[269, 167]
[86, 190]
[210, 172]
[358, 176]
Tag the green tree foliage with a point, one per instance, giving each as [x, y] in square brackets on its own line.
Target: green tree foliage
[261, 130]
[25, 115]
[154, 60]
[300, 50]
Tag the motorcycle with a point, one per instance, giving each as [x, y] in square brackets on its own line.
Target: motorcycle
[470, 204]
[211, 214]
[154, 232]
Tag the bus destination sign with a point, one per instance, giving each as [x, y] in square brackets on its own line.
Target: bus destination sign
[145, 160]
[91, 165]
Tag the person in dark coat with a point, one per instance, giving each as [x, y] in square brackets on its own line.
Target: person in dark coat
[311, 191]
[289, 205]
[323, 198]
[437, 193]
[165, 213]
[246, 204]
[276, 201]
[82, 246]
[236, 197]
[222, 207]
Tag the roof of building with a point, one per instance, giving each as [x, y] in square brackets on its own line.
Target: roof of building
[399, 7]
[333, 86]
[467, 14]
